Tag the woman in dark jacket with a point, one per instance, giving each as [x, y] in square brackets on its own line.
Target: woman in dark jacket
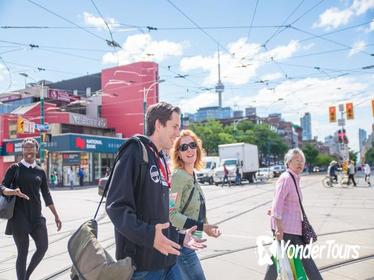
[27, 218]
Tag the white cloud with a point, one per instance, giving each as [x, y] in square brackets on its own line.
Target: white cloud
[371, 27]
[357, 47]
[142, 47]
[272, 76]
[2, 72]
[240, 64]
[335, 17]
[202, 100]
[94, 21]
[362, 6]
[309, 46]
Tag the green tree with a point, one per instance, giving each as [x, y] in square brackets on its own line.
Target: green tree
[213, 133]
[353, 155]
[369, 156]
[310, 153]
[209, 132]
[323, 159]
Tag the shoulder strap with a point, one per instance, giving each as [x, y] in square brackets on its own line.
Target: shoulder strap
[15, 174]
[188, 200]
[301, 205]
[144, 158]
[191, 194]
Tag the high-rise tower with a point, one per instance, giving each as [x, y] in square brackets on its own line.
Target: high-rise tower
[219, 87]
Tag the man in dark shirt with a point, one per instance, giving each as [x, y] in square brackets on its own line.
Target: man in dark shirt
[140, 213]
[28, 182]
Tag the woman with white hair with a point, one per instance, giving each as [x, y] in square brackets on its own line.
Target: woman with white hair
[286, 213]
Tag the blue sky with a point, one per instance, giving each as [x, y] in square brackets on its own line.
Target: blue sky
[279, 56]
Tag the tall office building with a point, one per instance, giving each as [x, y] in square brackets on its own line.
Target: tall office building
[362, 136]
[306, 125]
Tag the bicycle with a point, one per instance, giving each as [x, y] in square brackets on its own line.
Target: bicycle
[341, 181]
[329, 182]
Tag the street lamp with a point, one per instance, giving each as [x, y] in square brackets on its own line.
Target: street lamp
[145, 96]
[41, 150]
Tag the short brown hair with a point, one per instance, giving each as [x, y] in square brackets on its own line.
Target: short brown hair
[161, 111]
[200, 153]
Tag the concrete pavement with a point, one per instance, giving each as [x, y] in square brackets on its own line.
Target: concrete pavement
[340, 214]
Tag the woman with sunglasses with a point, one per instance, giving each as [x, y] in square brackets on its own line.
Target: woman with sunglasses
[189, 209]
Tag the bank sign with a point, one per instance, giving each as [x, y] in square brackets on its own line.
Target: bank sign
[70, 143]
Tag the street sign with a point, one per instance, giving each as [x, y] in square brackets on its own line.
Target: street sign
[341, 122]
[42, 127]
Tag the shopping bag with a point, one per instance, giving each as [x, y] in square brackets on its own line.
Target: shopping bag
[282, 263]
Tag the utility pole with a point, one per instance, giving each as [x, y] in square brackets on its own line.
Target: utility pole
[343, 146]
[41, 151]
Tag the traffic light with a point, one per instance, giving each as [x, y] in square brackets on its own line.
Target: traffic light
[349, 111]
[332, 114]
[20, 125]
[46, 137]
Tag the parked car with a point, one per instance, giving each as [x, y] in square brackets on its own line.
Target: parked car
[206, 175]
[101, 185]
[277, 170]
[316, 169]
[264, 173]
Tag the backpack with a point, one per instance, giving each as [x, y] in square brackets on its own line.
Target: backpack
[90, 259]
[143, 159]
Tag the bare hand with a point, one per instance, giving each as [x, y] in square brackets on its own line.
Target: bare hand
[212, 230]
[279, 234]
[58, 223]
[192, 242]
[18, 193]
[163, 244]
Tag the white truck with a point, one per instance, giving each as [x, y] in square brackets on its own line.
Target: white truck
[242, 155]
[206, 175]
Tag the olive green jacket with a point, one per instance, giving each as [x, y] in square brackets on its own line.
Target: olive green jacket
[182, 183]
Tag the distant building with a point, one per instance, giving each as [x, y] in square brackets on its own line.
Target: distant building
[213, 112]
[250, 111]
[362, 136]
[306, 125]
[238, 114]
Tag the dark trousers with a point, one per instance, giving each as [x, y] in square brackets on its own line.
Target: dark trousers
[351, 177]
[310, 267]
[81, 181]
[40, 237]
[226, 179]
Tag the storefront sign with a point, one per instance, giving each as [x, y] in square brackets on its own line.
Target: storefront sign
[70, 142]
[61, 95]
[71, 159]
[10, 97]
[9, 158]
[78, 119]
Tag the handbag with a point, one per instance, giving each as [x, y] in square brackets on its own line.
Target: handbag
[307, 232]
[7, 202]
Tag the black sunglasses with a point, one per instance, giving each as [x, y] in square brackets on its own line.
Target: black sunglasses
[184, 147]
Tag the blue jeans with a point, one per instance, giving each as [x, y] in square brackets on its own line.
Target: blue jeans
[171, 273]
[189, 265]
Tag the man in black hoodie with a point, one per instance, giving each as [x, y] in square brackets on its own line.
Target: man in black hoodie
[140, 213]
